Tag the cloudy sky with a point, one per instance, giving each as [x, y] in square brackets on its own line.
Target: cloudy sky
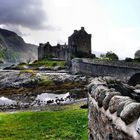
[114, 24]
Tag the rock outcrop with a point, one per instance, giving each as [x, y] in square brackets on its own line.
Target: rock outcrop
[23, 87]
[36, 82]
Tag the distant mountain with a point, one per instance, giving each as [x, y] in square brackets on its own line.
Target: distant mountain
[14, 49]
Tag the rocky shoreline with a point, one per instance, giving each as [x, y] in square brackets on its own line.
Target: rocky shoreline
[24, 87]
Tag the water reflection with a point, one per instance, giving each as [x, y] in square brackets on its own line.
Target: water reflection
[3, 65]
[6, 101]
[50, 98]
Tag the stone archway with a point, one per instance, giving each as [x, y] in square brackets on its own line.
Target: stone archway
[134, 79]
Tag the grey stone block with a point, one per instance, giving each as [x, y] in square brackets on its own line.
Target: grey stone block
[108, 97]
[130, 112]
[115, 101]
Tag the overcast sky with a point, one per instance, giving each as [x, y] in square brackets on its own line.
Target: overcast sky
[114, 24]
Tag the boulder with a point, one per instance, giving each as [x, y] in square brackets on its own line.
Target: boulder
[110, 80]
[122, 104]
[96, 90]
[124, 89]
[130, 113]
[138, 126]
[108, 97]
[115, 101]
[137, 86]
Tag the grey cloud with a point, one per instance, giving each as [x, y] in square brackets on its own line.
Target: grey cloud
[15, 28]
[26, 13]
[53, 28]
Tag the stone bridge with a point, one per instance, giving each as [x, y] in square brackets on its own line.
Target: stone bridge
[121, 70]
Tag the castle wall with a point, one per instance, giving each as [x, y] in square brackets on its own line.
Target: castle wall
[112, 116]
[85, 45]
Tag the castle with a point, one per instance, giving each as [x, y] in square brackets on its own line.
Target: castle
[79, 45]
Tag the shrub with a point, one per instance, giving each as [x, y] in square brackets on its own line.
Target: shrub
[127, 59]
[112, 56]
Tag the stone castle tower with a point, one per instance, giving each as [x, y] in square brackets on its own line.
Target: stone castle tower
[80, 42]
[79, 45]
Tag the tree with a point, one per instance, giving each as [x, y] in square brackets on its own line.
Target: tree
[112, 56]
[128, 59]
[102, 56]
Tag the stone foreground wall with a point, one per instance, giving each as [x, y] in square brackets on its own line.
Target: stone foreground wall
[113, 111]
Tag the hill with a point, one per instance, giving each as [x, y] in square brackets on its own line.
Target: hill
[14, 49]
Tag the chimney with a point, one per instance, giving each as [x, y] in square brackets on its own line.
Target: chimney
[82, 28]
[40, 44]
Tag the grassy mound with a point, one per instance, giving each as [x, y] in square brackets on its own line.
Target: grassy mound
[48, 63]
[67, 123]
[45, 63]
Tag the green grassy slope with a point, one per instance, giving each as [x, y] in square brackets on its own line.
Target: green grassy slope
[48, 63]
[66, 124]
[8, 55]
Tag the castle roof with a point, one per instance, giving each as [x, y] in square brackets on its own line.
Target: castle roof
[81, 32]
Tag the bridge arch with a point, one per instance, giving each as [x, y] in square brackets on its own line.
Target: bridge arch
[134, 79]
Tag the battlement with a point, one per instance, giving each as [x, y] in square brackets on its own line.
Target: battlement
[58, 51]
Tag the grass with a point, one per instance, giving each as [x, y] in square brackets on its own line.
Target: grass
[48, 63]
[28, 71]
[67, 123]
[46, 82]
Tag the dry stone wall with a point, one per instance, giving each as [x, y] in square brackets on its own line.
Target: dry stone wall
[113, 110]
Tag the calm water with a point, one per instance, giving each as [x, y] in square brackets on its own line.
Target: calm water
[5, 65]
[50, 98]
[6, 101]
[41, 99]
